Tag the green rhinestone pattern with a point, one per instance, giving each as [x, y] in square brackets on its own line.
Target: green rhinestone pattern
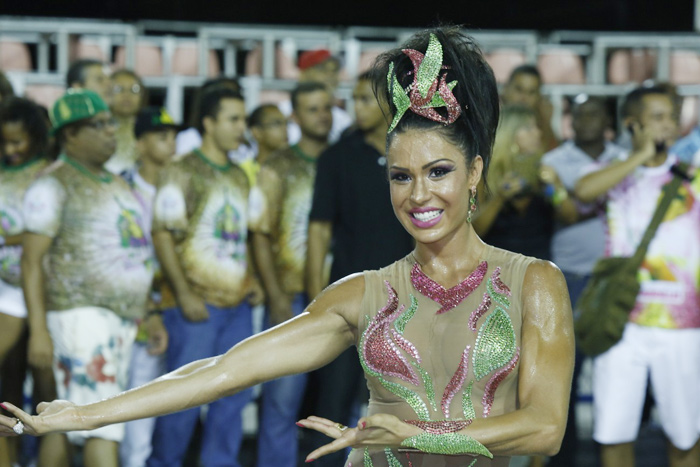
[405, 317]
[367, 459]
[429, 67]
[497, 297]
[449, 443]
[391, 458]
[429, 386]
[495, 344]
[472, 463]
[467, 404]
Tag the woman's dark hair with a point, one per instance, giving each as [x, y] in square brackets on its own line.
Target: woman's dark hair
[476, 92]
[33, 119]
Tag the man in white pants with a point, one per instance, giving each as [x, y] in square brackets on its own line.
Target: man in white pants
[662, 338]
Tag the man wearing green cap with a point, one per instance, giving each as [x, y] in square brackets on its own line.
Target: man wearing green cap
[87, 266]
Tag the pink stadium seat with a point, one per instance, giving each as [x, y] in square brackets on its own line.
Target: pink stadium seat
[149, 59]
[561, 66]
[14, 56]
[268, 96]
[44, 94]
[685, 67]
[367, 59]
[689, 114]
[503, 61]
[186, 61]
[625, 66]
[285, 66]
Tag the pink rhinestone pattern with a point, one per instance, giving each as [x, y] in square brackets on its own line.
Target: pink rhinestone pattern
[480, 311]
[382, 354]
[496, 379]
[498, 284]
[456, 383]
[440, 427]
[448, 299]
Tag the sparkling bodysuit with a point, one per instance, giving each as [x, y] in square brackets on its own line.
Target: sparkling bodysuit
[438, 358]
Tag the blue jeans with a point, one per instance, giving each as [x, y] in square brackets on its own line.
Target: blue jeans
[223, 430]
[281, 400]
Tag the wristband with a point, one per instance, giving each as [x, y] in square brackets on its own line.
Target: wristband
[448, 443]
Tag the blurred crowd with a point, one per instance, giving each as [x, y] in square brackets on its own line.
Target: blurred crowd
[131, 245]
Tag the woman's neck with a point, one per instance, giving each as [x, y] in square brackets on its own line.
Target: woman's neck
[450, 260]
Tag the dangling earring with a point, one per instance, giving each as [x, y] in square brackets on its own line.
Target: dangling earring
[472, 204]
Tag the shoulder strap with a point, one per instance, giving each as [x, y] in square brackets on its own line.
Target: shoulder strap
[669, 190]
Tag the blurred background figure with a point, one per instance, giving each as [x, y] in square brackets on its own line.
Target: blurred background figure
[524, 88]
[286, 185]
[128, 97]
[92, 75]
[154, 133]
[86, 268]
[268, 125]
[191, 138]
[319, 66]
[24, 146]
[514, 213]
[666, 317]
[200, 232]
[579, 237]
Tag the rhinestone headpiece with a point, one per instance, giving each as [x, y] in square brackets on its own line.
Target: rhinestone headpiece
[428, 90]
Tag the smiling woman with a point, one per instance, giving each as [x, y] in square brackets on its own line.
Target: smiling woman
[467, 349]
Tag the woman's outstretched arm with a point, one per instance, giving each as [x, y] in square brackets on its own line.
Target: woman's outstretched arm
[302, 344]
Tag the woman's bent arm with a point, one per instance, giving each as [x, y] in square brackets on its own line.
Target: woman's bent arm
[307, 342]
[546, 366]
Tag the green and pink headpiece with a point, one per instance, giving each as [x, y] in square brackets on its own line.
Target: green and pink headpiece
[428, 90]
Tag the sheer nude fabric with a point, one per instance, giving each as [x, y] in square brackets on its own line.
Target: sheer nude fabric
[429, 361]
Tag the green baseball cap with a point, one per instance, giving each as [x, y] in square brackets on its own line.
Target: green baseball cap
[75, 105]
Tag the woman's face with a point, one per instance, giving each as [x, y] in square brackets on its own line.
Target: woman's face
[16, 144]
[430, 184]
[126, 96]
[528, 138]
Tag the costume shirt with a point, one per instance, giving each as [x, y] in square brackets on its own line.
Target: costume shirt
[286, 182]
[100, 254]
[443, 361]
[14, 182]
[670, 273]
[145, 194]
[577, 247]
[126, 154]
[204, 206]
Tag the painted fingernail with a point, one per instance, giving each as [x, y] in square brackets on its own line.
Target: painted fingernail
[299, 424]
[3, 406]
[364, 424]
[310, 460]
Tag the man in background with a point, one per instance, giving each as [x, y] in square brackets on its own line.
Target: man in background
[285, 184]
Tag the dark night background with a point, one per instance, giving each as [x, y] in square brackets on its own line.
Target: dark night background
[602, 15]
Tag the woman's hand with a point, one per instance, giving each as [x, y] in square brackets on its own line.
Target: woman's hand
[380, 430]
[56, 416]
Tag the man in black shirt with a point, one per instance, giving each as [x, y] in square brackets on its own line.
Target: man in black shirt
[351, 206]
